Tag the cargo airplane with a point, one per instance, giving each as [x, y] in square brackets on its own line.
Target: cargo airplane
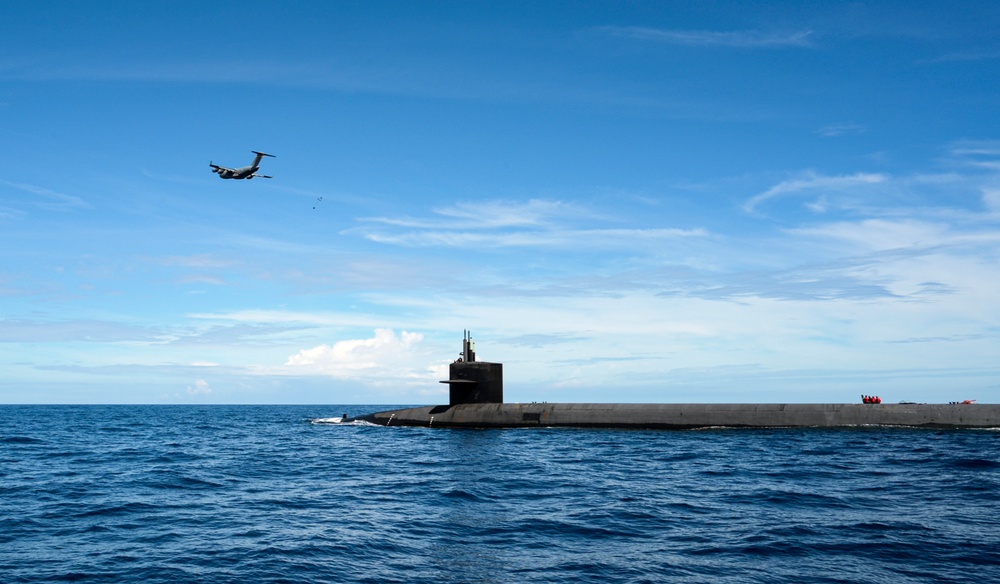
[246, 172]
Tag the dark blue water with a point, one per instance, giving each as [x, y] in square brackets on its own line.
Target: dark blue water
[261, 494]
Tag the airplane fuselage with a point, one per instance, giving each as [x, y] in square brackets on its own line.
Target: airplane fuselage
[247, 172]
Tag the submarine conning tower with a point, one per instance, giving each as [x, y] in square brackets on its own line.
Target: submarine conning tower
[471, 381]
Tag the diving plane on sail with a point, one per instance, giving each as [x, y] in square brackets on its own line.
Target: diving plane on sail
[246, 172]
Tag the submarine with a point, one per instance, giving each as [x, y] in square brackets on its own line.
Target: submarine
[476, 401]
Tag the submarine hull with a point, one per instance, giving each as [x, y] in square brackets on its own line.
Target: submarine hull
[690, 416]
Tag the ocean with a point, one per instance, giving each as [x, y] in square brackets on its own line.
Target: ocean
[270, 494]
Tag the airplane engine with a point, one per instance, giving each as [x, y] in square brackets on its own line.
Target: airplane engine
[250, 177]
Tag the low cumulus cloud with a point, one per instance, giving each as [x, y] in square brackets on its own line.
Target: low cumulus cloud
[384, 354]
[200, 387]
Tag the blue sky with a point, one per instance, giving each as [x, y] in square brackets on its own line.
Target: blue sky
[623, 201]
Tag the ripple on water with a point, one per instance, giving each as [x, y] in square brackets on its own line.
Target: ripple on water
[271, 494]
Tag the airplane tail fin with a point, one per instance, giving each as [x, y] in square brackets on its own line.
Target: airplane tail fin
[256, 161]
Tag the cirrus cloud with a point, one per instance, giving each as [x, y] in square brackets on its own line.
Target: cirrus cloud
[816, 184]
[708, 38]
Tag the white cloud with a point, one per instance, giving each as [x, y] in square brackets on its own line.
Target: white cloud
[270, 317]
[496, 224]
[385, 353]
[201, 279]
[991, 198]
[491, 215]
[976, 148]
[880, 234]
[736, 39]
[200, 387]
[979, 154]
[842, 129]
[966, 56]
[75, 331]
[904, 234]
[814, 184]
[196, 261]
[573, 238]
[50, 199]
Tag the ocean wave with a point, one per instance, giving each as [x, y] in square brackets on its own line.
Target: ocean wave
[271, 494]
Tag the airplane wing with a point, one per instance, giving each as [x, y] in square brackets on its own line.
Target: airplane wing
[217, 168]
[259, 176]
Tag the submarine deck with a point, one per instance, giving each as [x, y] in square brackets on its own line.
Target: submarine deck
[690, 416]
